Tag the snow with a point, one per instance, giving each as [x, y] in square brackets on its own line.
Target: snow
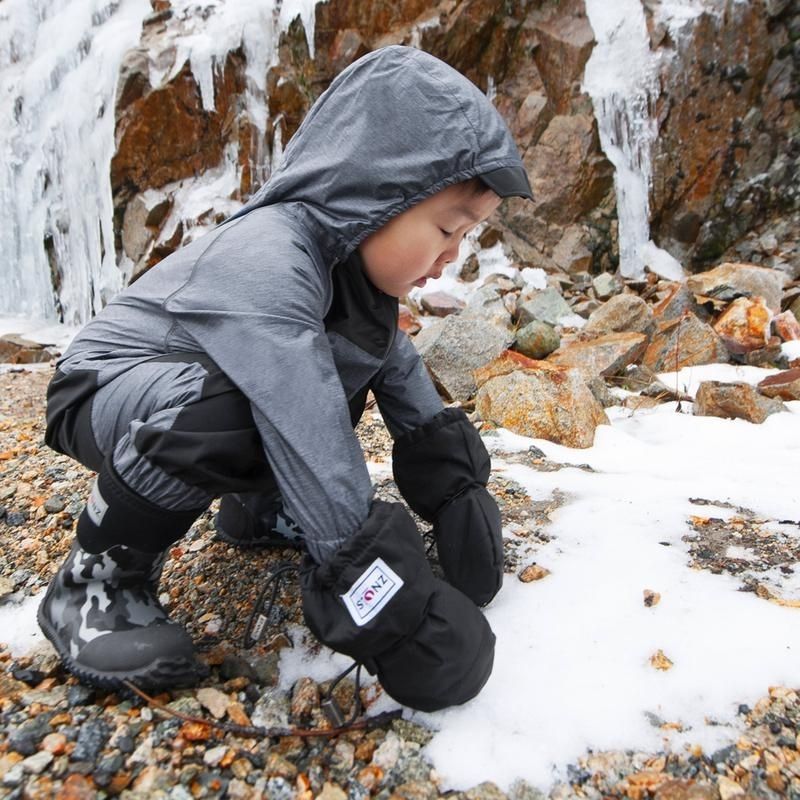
[572, 667]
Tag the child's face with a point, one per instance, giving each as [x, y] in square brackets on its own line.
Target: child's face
[417, 244]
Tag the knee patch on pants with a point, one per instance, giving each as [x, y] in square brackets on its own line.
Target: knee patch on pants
[115, 515]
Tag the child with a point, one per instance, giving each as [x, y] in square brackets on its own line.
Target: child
[239, 366]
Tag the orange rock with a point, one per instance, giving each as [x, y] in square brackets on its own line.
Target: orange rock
[787, 326]
[408, 322]
[195, 731]
[77, 787]
[508, 361]
[744, 325]
[660, 661]
[370, 777]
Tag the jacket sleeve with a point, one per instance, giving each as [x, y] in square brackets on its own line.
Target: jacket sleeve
[260, 318]
[404, 390]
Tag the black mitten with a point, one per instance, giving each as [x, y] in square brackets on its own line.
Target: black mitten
[442, 469]
[377, 601]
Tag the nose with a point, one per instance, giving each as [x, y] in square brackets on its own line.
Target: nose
[447, 255]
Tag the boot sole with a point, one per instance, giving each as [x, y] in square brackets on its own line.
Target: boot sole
[158, 674]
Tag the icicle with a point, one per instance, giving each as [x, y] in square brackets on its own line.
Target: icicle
[59, 61]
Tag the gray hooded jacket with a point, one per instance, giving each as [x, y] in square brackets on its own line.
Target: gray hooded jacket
[394, 128]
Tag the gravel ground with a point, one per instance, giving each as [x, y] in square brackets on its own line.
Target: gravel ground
[59, 739]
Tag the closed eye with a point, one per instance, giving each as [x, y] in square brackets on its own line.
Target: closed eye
[446, 233]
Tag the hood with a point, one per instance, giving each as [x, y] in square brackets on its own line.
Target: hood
[393, 128]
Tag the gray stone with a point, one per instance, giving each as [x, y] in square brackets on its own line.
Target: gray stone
[488, 304]
[521, 790]
[675, 303]
[604, 285]
[623, 312]
[571, 253]
[734, 401]
[537, 339]
[55, 504]
[545, 306]
[485, 791]
[547, 402]
[92, 738]
[729, 281]
[272, 709]
[455, 346]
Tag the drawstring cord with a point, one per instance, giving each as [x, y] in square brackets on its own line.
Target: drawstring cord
[267, 614]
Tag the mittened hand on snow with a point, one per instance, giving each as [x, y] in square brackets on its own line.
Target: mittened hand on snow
[442, 469]
[378, 601]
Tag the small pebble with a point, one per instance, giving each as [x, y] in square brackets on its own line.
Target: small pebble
[55, 504]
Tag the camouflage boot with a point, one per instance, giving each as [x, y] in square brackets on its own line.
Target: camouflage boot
[102, 615]
[257, 520]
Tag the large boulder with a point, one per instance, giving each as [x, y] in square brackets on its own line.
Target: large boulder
[744, 325]
[624, 312]
[15, 349]
[602, 356]
[543, 402]
[684, 342]
[729, 281]
[452, 348]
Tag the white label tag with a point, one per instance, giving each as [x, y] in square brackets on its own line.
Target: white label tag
[96, 506]
[371, 591]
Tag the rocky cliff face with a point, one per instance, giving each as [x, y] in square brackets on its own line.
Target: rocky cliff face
[725, 163]
[729, 145]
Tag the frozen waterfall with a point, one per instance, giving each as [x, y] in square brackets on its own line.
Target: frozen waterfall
[622, 79]
[59, 63]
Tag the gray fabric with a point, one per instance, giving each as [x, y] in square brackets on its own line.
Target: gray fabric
[153, 392]
[394, 128]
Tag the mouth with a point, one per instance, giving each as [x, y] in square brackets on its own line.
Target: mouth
[421, 282]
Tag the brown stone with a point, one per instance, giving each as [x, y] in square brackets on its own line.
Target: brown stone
[508, 361]
[305, 698]
[686, 790]
[77, 787]
[734, 401]
[673, 305]
[604, 356]
[787, 326]
[441, 304]
[533, 572]
[15, 349]
[166, 134]
[565, 44]
[546, 403]
[348, 45]
[744, 325]
[624, 312]
[784, 385]
[729, 281]
[682, 343]
[408, 322]
[568, 149]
